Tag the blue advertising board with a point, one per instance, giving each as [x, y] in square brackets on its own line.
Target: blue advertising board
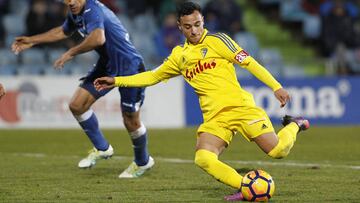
[323, 100]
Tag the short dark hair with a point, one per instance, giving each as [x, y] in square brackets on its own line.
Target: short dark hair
[187, 8]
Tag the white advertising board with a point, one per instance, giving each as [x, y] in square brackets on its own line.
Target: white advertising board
[42, 102]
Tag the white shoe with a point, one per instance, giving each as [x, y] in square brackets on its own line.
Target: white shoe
[134, 171]
[94, 155]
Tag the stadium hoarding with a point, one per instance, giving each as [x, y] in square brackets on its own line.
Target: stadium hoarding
[324, 100]
[42, 102]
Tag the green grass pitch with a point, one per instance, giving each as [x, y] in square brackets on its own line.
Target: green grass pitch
[41, 166]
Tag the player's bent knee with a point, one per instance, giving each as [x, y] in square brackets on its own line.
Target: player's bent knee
[76, 109]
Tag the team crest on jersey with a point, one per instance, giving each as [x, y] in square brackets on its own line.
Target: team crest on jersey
[203, 52]
[241, 56]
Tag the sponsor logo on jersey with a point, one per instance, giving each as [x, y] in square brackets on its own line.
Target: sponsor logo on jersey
[241, 56]
[199, 68]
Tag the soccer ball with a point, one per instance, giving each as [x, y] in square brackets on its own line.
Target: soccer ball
[257, 186]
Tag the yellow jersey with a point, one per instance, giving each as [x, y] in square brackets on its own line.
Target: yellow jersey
[208, 68]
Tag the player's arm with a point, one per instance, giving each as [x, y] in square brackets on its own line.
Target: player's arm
[95, 26]
[231, 51]
[94, 19]
[143, 79]
[24, 42]
[95, 39]
[261, 73]
[265, 76]
[168, 69]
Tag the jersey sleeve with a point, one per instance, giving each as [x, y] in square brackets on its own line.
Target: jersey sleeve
[68, 25]
[227, 48]
[94, 19]
[261, 73]
[230, 50]
[168, 69]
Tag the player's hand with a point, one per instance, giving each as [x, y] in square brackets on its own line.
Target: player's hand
[59, 63]
[104, 83]
[2, 91]
[283, 96]
[20, 44]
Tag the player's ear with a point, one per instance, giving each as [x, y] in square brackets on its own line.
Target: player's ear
[179, 26]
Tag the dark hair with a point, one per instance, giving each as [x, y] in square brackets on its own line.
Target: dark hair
[187, 8]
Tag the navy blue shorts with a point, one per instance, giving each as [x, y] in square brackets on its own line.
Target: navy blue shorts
[131, 98]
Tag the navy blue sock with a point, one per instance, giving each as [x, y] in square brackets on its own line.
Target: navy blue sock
[91, 128]
[140, 146]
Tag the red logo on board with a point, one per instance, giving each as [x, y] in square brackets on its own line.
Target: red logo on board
[8, 107]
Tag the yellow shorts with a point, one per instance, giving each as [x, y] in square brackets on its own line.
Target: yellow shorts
[250, 121]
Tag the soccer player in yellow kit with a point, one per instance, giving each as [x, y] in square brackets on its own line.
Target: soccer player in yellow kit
[206, 62]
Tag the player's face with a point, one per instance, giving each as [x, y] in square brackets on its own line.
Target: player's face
[75, 6]
[192, 26]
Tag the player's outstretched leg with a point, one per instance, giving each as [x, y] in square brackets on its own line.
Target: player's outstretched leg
[286, 139]
[143, 161]
[287, 135]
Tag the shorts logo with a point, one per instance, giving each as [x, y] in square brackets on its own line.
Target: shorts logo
[255, 121]
[241, 56]
[127, 104]
[263, 126]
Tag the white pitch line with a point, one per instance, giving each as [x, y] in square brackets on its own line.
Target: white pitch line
[187, 161]
[268, 163]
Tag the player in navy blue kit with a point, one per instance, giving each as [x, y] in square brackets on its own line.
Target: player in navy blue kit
[104, 33]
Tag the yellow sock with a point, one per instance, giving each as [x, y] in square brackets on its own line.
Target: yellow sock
[209, 162]
[287, 138]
